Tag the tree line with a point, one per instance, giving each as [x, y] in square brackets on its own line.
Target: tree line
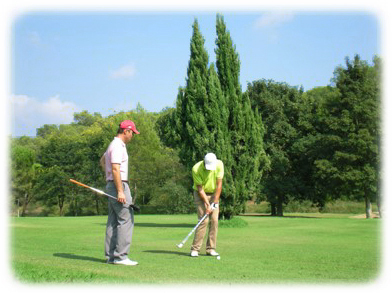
[278, 142]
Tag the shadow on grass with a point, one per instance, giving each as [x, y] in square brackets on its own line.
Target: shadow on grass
[79, 257]
[167, 252]
[157, 225]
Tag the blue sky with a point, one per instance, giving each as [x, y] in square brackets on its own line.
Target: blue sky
[66, 62]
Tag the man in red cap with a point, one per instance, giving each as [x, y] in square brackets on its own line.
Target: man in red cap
[119, 227]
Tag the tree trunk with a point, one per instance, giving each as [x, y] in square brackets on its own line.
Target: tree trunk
[368, 208]
[61, 205]
[280, 206]
[227, 216]
[280, 209]
[25, 203]
[76, 206]
[73, 205]
[379, 206]
[97, 205]
[273, 209]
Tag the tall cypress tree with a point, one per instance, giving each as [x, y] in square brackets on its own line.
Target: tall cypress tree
[212, 115]
[247, 156]
[189, 120]
[218, 114]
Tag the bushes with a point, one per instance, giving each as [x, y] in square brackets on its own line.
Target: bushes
[337, 207]
[305, 206]
[346, 207]
[172, 198]
[234, 222]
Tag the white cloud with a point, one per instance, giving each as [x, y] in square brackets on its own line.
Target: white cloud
[270, 22]
[29, 113]
[273, 19]
[124, 72]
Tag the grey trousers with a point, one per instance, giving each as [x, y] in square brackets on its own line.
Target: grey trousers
[119, 227]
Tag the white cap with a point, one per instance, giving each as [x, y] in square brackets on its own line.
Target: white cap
[210, 161]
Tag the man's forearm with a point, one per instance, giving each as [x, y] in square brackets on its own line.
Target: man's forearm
[202, 195]
[217, 194]
[218, 191]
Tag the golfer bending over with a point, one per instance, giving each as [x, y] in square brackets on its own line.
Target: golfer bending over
[120, 222]
[207, 184]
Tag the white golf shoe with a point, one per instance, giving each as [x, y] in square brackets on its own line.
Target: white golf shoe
[194, 253]
[125, 262]
[212, 253]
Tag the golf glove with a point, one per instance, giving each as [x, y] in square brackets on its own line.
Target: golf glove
[214, 206]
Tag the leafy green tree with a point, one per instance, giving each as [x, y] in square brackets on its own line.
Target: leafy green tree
[314, 144]
[33, 143]
[65, 156]
[173, 198]
[246, 160]
[196, 123]
[24, 173]
[200, 119]
[227, 62]
[46, 130]
[190, 121]
[86, 119]
[165, 127]
[95, 147]
[52, 187]
[212, 115]
[279, 109]
[355, 122]
[340, 136]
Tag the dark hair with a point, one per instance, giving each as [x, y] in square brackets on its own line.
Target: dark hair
[120, 130]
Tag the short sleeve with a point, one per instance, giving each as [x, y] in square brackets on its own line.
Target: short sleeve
[220, 170]
[116, 156]
[197, 180]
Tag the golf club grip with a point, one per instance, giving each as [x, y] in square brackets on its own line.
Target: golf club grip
[78, 183]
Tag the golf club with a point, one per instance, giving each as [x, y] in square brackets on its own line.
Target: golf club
[193, 230]
[133, 206]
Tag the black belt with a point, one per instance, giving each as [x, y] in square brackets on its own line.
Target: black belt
[125, 181]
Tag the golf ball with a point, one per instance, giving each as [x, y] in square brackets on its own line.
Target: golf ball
[218, 257]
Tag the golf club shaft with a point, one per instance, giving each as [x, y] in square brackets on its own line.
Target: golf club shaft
[91, 188]
[101, 192]
[193, 230]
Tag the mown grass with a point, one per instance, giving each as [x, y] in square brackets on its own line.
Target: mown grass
[264, 250]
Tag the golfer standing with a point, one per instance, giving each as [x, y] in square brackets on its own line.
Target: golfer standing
[207, 185]
[120, 222]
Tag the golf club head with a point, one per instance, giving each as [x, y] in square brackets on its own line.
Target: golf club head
[180, 245]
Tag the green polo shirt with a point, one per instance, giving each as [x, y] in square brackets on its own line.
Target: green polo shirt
[206, 178]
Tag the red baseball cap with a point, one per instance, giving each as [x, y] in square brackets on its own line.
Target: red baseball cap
[128, 124]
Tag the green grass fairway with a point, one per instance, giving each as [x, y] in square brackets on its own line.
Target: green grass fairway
[269, 250]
